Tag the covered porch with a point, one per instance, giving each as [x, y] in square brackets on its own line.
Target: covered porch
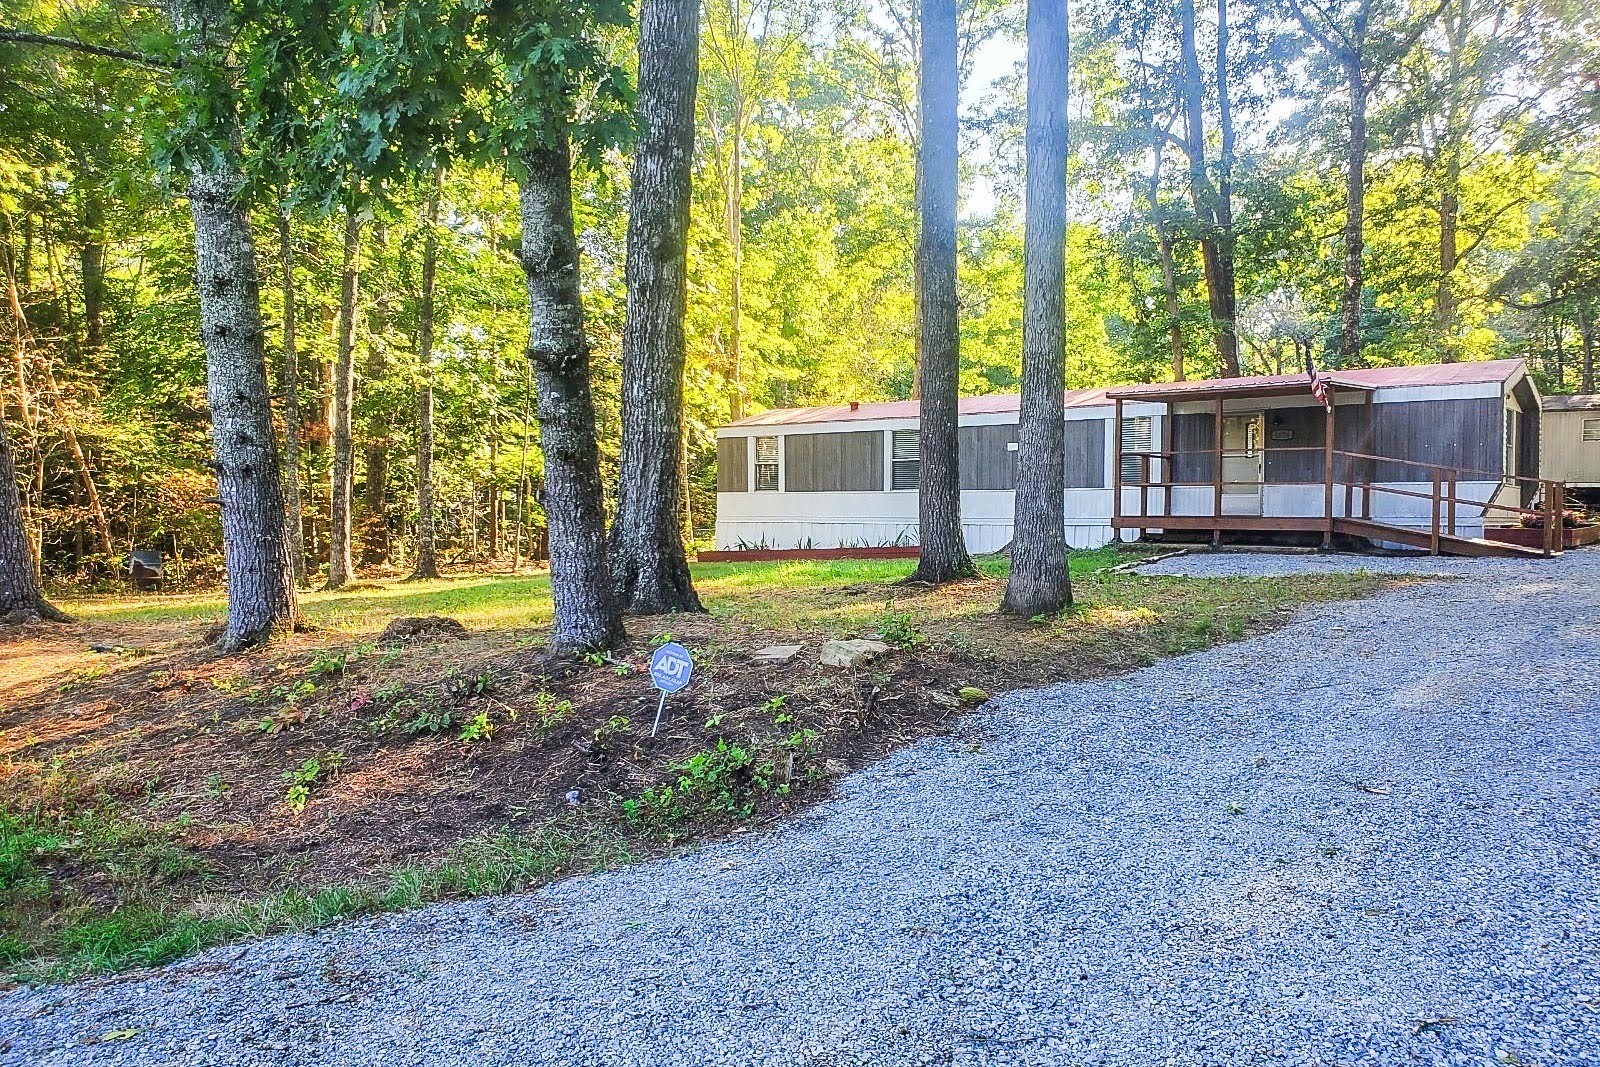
[1264, 456]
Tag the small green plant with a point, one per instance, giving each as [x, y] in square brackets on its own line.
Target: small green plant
[774, 708]
[430, 719]
[215, 786]
[1234, 808]
[303, 777]
[483, 683]
[327, 663]
[478, 728]
[608, 730]
[294, 692]
[550, 711]
[720, 782]
[389, 692]
[715, 720]
[899, 630]
[595, 659]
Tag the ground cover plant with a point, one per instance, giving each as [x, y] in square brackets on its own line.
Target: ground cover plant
[159, 798]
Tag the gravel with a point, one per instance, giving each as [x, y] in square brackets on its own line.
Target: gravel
[1370, 838]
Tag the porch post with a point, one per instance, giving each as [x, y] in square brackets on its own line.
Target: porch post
[1116, 473]
[1166, 461]
[1216, 473]
[1327, 473]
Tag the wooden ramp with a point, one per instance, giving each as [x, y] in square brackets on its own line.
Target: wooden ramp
[1438, 544]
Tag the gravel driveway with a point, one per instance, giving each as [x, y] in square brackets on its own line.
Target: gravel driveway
[1370, 838]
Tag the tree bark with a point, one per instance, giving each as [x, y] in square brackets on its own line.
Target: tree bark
[1040, 581]
[1354, 214]
[587, 614]
[261, 593]
[649, 565]
[92, 264]
[289, 389]
[427, 552]
[375, 482]
[1586, 336]
[943, 556]
[341, 566]
[19, 581]
[1227, 241]
[1203, 193]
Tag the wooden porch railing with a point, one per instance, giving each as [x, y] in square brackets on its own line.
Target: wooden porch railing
[1445, 501]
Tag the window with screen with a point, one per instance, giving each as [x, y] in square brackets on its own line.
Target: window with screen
[1591, 431]
[1137, 436]
[905, 456]
[766, 464]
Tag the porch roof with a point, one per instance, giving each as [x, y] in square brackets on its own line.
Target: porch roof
[1368, 378]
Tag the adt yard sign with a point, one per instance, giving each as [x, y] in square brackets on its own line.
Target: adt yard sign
[671, 667]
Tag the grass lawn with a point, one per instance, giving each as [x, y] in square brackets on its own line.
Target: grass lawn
[158, 799]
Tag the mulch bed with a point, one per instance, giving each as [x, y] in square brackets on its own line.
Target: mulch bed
[187, 736]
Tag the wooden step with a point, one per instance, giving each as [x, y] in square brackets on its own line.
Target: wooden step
[1451, 546]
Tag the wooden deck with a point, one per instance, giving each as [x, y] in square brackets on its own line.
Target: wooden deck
[1349, 478]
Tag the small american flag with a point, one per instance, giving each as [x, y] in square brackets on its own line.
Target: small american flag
[1319, 383]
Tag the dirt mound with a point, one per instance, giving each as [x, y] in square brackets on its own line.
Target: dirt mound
[409, 627]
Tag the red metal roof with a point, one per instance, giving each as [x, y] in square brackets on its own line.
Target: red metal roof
[1472, 373]
[998, 404]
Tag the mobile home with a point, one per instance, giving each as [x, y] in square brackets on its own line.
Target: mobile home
[1435, 457]
[1570, 447]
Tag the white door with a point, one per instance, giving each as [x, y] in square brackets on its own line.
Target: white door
[1243, 466]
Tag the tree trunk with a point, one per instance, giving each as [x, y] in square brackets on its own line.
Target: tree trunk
[427, 552]
[649, 566]
[1040, 582]
[341, 567]
[1206, 201]
[19, 582]
[1444, 301]
[1586, 335]
[943, 556]
[375, 483]
[1169, 270]
[735, 211]
[492, 493]
[80, 463]
[289, 389]
[587, 615]
[1227, 241]
[92, 264]
[1354, 215]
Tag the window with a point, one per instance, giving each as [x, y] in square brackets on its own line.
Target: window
[766, 464]
[905, 457]
[1137, 436]
[1591, 431]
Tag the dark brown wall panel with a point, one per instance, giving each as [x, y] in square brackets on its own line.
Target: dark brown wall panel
[1086, 454]
[733, 475]
[834, 462]
[987, 461]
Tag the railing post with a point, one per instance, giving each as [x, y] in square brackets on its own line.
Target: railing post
[1450, 508]
[1116, 472]
[1554, 508]
[1433, 541]
[1216, 459]
[1327, 473]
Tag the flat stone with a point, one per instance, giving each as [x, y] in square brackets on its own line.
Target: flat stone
[849, 653]
[773, 655]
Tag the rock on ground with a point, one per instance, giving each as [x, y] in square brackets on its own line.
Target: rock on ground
[1370, 838]
[850, 653]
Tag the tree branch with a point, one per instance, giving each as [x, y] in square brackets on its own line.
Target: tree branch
[28, 37]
